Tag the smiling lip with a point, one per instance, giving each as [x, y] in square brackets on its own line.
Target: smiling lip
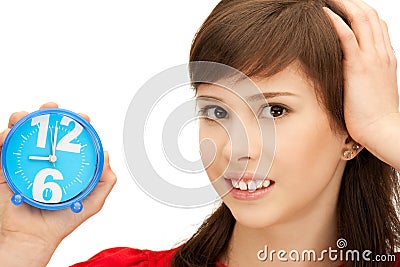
[246, 177]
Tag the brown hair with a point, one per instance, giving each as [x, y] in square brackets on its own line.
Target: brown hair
[261, 38]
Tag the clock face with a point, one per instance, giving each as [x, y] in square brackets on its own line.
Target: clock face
[52, 157]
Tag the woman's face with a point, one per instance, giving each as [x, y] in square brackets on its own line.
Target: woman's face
[270, 180]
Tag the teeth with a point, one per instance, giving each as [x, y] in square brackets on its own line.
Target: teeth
[252, 186]
[242, 185]
[266, 183]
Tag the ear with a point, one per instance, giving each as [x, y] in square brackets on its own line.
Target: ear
[350, 149]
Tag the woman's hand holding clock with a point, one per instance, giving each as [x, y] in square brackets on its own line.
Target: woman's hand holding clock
[28, 235]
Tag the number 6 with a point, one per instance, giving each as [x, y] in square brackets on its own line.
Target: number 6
[39, 186]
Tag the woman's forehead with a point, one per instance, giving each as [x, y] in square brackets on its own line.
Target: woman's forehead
[289, 82]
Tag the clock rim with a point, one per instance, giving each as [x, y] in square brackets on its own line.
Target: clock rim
[93, 181]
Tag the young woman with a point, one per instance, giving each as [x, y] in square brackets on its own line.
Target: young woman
[332, 93]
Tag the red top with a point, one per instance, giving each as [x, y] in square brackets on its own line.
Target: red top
[130, 257]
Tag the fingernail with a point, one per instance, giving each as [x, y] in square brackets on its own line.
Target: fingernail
[327, 10]
[106, 158]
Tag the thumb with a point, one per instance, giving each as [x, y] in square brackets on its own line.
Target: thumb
[95, 201]
[2, 138]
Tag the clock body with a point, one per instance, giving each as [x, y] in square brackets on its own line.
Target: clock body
[52, 159]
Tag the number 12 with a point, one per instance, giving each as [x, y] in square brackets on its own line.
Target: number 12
[65, 143]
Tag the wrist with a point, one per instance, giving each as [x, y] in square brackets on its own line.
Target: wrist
[382, 129]
[381, 139]
[22, 250]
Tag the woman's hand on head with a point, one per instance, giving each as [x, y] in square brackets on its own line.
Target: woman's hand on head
[371, 90]
[30, 235]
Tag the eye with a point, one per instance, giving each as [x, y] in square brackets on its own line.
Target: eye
[213, 112]
[274, 111]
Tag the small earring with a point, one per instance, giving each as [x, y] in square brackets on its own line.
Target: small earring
[356, 147]
[348, 154]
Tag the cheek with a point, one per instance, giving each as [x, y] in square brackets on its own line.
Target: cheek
[212, 140]
[307, 152]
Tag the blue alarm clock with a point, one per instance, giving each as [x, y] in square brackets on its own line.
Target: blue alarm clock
[52, 159]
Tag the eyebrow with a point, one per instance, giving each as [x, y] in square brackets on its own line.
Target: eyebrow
[257, 97]
[268, 95]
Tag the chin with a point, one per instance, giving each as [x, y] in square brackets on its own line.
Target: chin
[255, 216]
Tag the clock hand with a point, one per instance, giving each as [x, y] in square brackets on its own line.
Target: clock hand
[39, 158]
[51, 139]
[50, 158]
[55, 140]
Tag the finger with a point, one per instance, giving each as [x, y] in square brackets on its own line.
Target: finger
[360, 22]
[348, 40]
[95, 201]
[3, 136]
[2, 178]
[106, 159]
[388, 43]
[373, 26]
[15, 117]
[49, 105]
[86, 117]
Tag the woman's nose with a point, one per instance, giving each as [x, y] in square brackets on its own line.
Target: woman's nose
[244, 141]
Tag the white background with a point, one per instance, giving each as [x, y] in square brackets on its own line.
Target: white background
[91, 57]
